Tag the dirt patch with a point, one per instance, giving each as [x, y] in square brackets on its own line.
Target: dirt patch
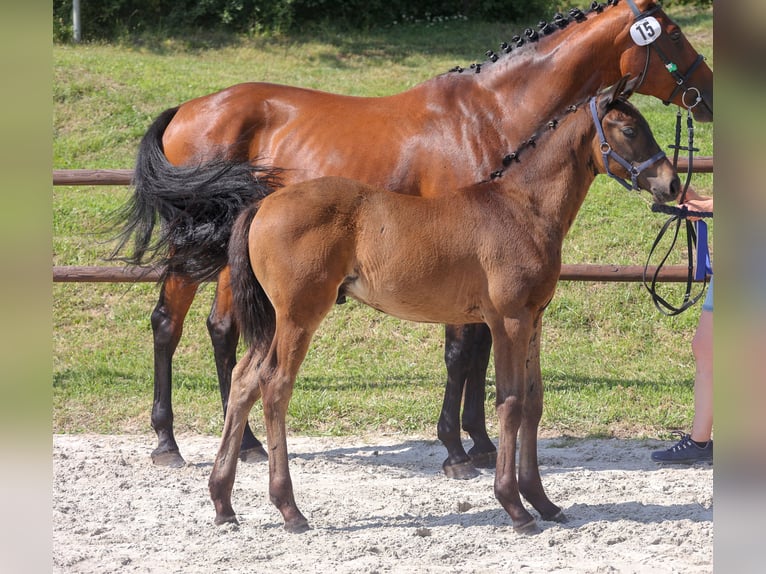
[375, 504]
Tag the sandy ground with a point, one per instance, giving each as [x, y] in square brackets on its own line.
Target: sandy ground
[375, 504]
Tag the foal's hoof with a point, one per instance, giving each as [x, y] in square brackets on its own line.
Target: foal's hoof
[254, 454]
[297, 526]
[483, 459]
[460, 470]
[168, 458]
[528, 528]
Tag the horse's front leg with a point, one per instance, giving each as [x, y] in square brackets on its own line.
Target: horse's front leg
[510, 340]
[530, 483]
[176, 296]
[483, 452]
[245, 390]
[456, 357]
[224, 335]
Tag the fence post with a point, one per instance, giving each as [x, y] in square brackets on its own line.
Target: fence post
[76, 33]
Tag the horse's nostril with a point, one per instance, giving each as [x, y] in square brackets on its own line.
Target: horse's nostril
[675, 187]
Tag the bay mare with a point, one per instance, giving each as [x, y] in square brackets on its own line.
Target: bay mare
[445, 133]
[489, 253]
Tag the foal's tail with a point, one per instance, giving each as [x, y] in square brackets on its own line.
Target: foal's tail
[253, 310]
[196, 206]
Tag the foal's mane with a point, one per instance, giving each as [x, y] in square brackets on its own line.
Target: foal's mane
[528, 41]
[545, 129]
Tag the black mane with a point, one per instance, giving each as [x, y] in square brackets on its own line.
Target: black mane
[520, 42]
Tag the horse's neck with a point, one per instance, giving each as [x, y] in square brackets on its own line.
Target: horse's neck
[559, 69]
[552, 179]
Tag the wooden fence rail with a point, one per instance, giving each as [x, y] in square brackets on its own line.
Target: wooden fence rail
[702, 164]
[575, 272]
[97, 274]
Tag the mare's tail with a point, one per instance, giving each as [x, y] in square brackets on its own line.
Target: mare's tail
[196, 206]
[253, 310]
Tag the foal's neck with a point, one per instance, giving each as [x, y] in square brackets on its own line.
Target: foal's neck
[552, 178]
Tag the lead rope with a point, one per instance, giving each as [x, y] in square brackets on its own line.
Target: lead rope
[696, 235]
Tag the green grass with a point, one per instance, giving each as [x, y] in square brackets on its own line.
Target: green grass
[612, 365]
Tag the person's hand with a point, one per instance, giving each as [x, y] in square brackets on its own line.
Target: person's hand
[697, 202]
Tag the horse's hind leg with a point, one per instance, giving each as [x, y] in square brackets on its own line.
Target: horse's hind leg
[483, 452]
[244, 392]
[224, 335]
[530, 483]
[176, 296]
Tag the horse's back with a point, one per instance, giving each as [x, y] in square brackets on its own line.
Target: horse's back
[255, 119]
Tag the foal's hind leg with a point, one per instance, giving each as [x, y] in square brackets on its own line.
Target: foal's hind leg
[176, 296]
[530, 483]
[244, 392]
[281, 367]
[224, 335]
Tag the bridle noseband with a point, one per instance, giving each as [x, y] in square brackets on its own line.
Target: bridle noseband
[608, 153]
[682, 80]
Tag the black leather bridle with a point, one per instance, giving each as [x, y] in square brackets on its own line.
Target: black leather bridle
[682, 79]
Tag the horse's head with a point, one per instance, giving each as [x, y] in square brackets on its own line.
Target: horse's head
[627, 148]
[668, 65]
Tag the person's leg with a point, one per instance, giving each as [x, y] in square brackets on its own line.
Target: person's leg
[702, 345]
[698, 446]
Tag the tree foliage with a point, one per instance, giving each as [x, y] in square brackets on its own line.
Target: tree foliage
[110, 19]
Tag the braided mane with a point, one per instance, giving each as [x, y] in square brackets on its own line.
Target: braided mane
[521, 43]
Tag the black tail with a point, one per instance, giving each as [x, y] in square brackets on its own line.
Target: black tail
[196, 206]
[253, 310]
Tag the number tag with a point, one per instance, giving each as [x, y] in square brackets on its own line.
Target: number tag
[645, 31]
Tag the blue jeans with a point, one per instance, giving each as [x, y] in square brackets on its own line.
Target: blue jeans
[707, 305]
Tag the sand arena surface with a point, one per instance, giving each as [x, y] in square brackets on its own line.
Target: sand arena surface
[375, 504]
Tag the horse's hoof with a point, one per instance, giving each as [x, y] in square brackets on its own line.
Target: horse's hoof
[460, 470]
[168, 458]
[297, 526]
[254, 454]
[225, 519]
[559, 517]
[528, 528]
[483, 459]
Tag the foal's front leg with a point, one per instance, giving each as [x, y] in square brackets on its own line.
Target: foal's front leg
[530, 484]
[510, 339]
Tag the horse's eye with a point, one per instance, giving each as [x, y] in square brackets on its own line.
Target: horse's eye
[675, 35]
[629, 132]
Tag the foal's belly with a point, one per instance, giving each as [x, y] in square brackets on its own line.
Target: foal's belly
[423, 303]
